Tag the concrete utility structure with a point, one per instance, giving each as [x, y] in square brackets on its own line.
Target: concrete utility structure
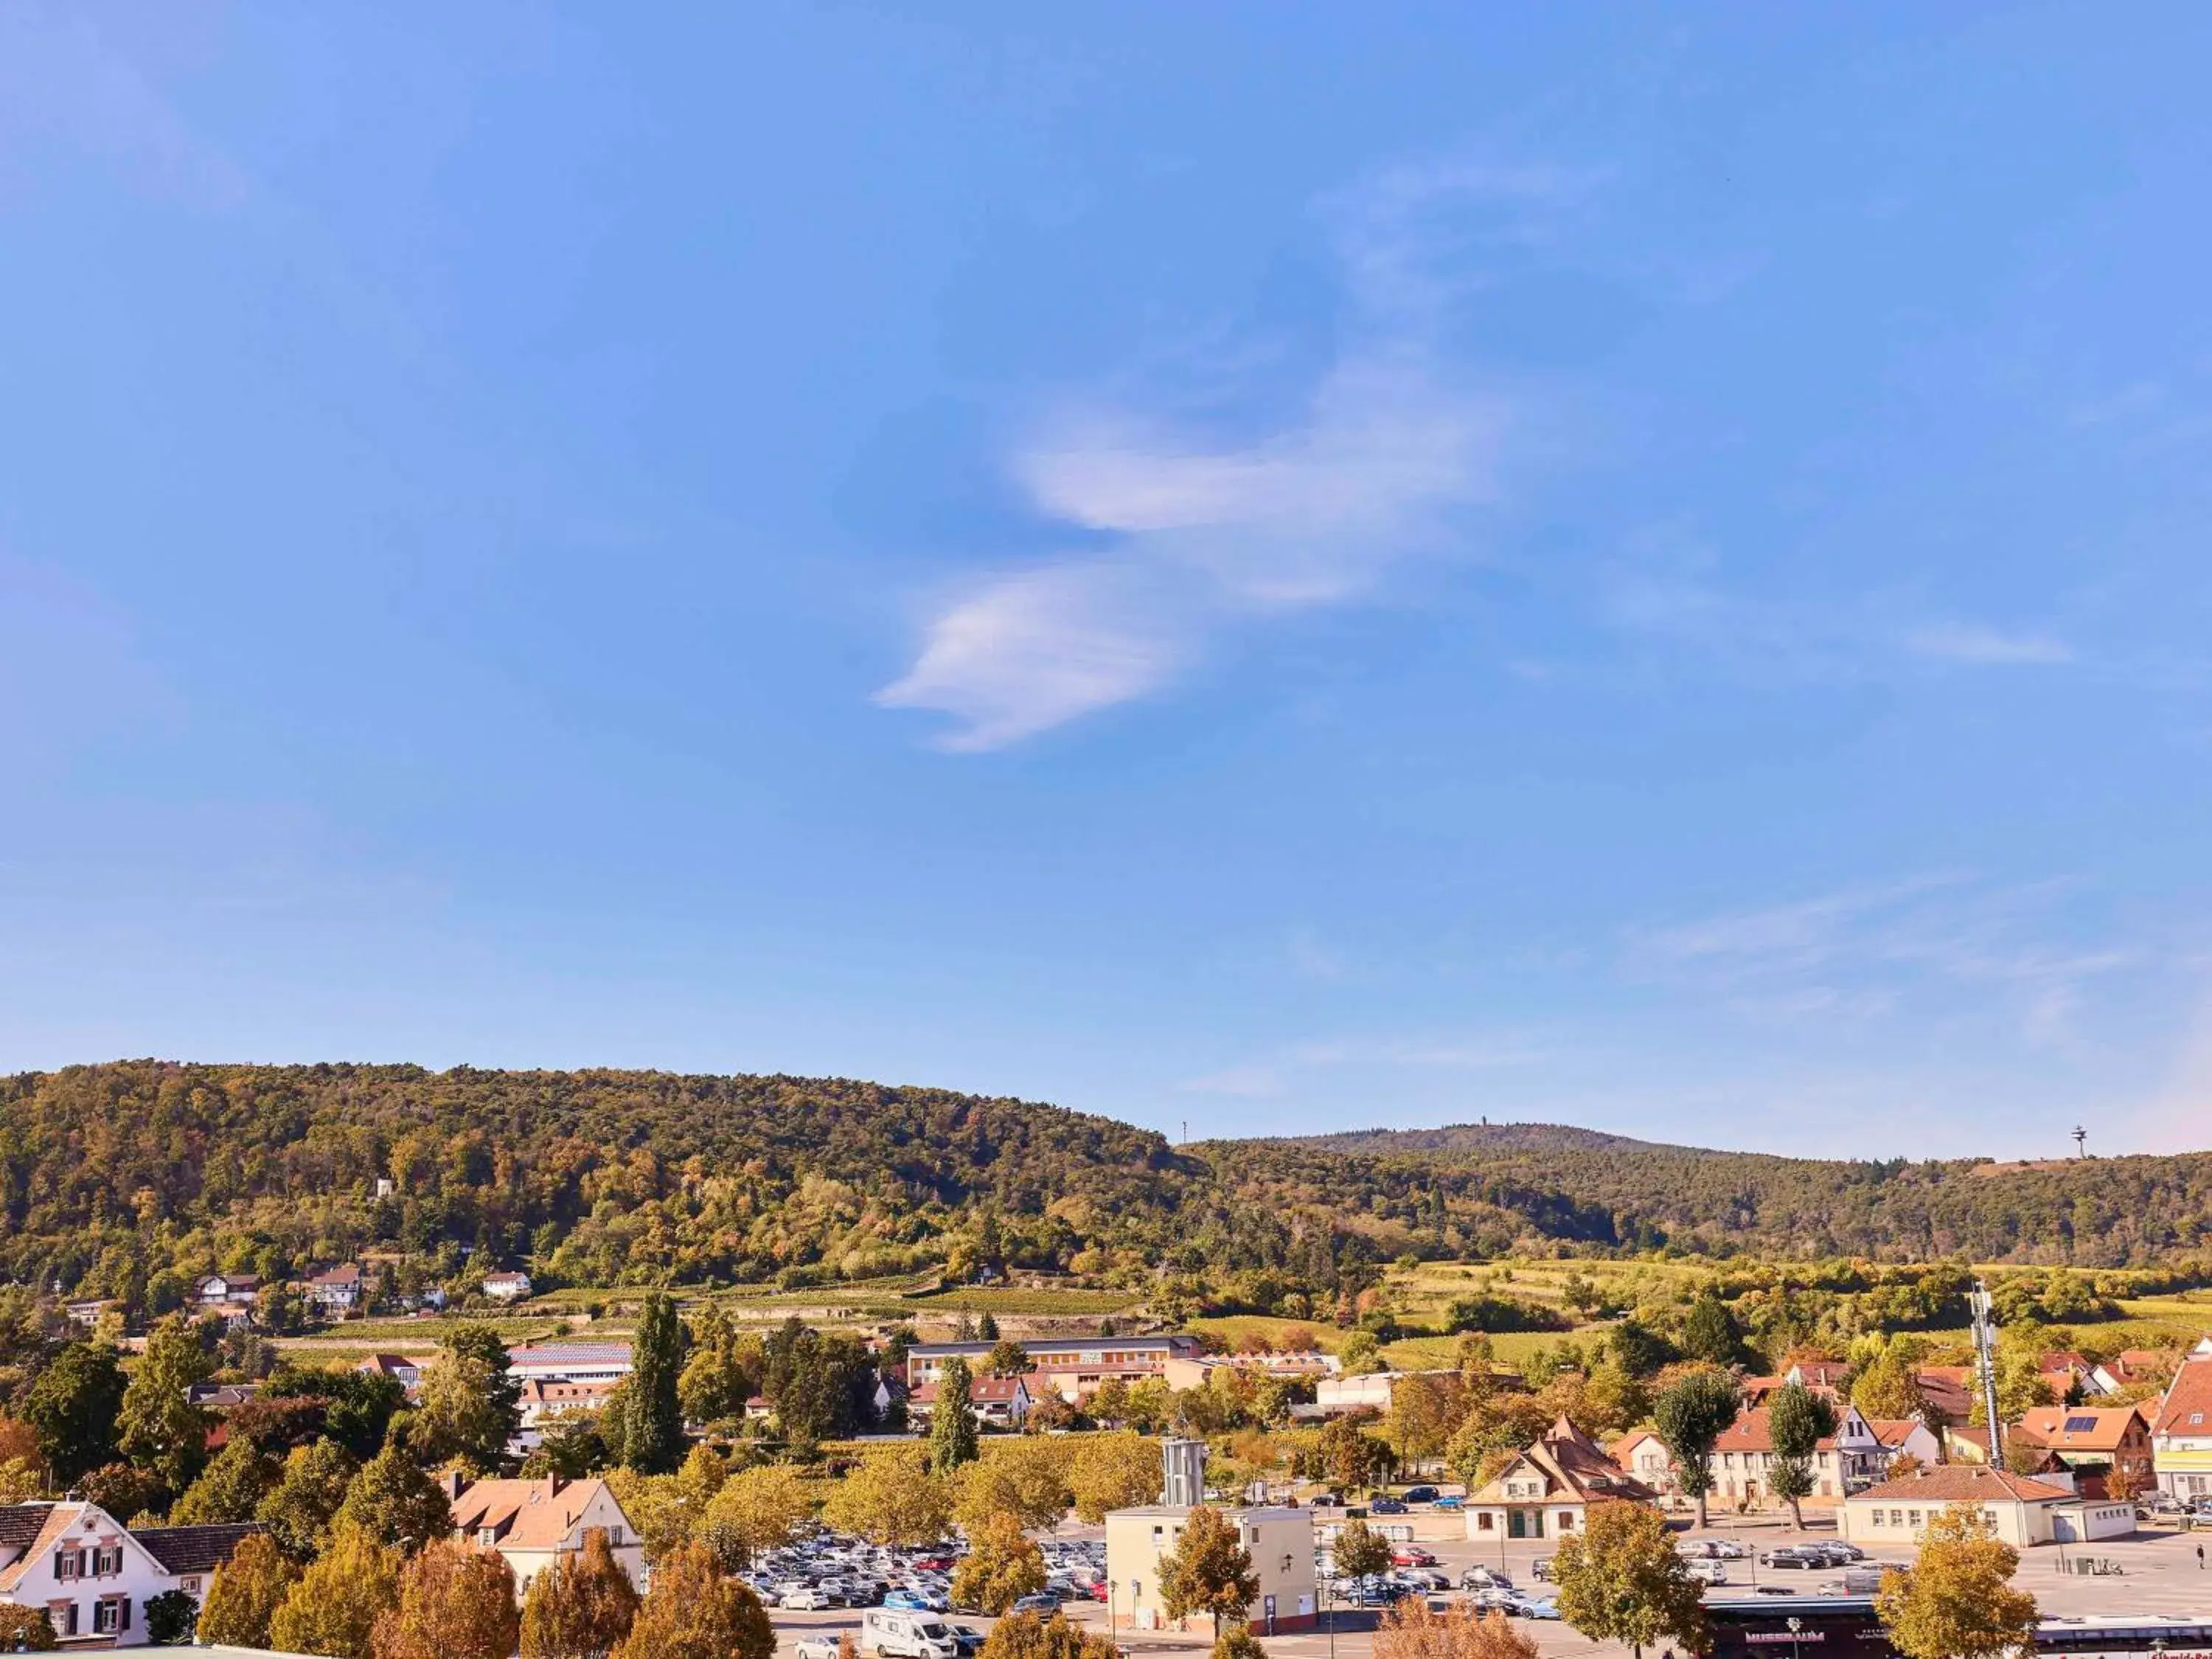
[1280, 1542]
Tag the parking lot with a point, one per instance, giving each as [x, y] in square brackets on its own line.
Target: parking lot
[2157, 1573]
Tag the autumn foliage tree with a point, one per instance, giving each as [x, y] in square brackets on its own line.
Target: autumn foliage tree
[1001, 1567]
[1114, 1471]
[1413, 1630]
[1025, 1636]
[1209, 1570]
[455, 1602]
[579, 1607]
[245, 1593]
[1026, 1478]
[333, 1608]
[1360, 1551]
[1956, 1600]
[892, 1498]
[692, 1611]
[25, 1630]
[1621, 1579]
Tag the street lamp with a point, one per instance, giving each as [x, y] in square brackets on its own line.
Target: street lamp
[1112, 1585]
[1796, 1625]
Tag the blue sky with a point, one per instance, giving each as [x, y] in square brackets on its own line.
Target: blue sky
[1276, 569]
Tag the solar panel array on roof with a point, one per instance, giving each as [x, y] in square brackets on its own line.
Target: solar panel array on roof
[2081, 1424]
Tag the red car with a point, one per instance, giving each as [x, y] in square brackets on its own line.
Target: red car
[1412, 1555]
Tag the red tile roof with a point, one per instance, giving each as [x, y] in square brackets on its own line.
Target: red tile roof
[1965, 1483]
[2187, 1408]
[2079, 1428]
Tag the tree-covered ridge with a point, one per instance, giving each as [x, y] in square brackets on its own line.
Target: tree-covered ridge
[123, 1180]
[601, 1176]
[2104, 1211]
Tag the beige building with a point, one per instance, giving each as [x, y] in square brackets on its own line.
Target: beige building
[2024, 1511]
[1547, 1490]
[535, 1522]
[1279, 1540]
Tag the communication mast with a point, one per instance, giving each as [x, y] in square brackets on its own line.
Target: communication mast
[2081, 1141]
[1985, 1350]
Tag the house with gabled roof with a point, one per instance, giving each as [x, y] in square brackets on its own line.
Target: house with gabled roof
[2181, 1430]
[533, 1524]
[1547, 1490]
[90, 1574]
[2090, 1442]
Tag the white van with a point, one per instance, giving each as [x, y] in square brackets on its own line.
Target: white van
[899, 1634]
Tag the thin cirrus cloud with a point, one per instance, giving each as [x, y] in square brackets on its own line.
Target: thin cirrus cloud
[1206, 537]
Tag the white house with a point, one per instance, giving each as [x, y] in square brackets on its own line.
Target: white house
[230, 1296]
[533, 1524]
[506, 1287]
[338, 1291]
[2024, 1512]
[93, 1577]
[1001, 1401]
[1856, 1456]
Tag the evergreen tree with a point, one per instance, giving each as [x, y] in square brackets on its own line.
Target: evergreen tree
[307, 1496]
[230, 1488]
[653, 1438]
[1709, 1332]
[953, 1420]
[986, 1329]
[72, 1409]
[158, 1428]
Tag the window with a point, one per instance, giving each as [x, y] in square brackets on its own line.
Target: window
[1482, 1521]
[1915, 1516]
[62, 1615]
[107, 1615]
[68, 1563]
[189, 1586]
[107, 1562]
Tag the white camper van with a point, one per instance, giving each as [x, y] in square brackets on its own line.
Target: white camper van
[897, 1634]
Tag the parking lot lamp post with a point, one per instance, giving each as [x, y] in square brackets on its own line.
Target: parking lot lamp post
[1796, 1625]
[1111, 1586]
[1328, 1613]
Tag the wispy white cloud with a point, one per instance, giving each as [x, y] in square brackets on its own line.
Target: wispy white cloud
[1867, 950]
[1863, 637]
[1209, 536]
[1978, 644]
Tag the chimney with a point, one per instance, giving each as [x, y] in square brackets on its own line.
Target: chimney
[453, 1483]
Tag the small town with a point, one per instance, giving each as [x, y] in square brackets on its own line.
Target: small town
[883, 1491]
[1164, 829]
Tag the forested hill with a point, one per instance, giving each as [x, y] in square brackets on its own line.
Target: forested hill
[2105, 1212]
[125, 1179]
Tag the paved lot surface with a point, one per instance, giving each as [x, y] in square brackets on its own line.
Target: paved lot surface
[2158, 1573]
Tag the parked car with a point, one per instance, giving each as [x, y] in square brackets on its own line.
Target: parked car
[1387, 1506]
[1479, 1576]
[1542, 1567]
[1420, 1494]
[1043, 1606]
[1453, 1502]
[1533, 1606]
[911, 1600]
[817, 1647]
[804, 1599]
[1412, 1555]
[967, 1638]
[1707, 1572]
